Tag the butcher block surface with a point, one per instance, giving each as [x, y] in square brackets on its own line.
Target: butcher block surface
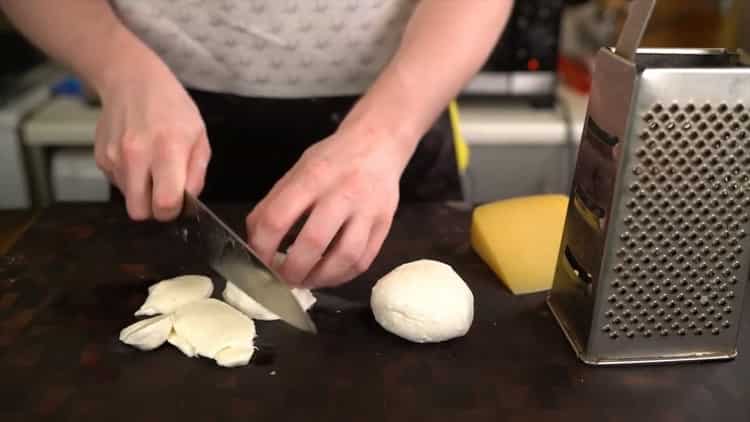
[75, 278]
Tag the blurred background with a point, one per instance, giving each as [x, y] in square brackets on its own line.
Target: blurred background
[519, 119]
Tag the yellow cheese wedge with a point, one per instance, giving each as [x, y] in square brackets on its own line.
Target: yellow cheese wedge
[519, 239]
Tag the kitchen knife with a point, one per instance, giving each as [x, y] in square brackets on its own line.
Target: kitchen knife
[233, 259]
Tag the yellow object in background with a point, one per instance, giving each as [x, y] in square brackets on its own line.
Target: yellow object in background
[519, 239]
[459, 143]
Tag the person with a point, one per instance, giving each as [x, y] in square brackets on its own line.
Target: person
[316, 109]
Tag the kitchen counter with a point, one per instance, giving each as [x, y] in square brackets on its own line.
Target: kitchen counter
[78, 274]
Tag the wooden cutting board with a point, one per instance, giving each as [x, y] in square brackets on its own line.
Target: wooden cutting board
[76, 277]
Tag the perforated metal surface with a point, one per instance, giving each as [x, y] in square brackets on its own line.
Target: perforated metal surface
[677, 260]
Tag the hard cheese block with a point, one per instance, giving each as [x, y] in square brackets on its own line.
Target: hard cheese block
[519, 239]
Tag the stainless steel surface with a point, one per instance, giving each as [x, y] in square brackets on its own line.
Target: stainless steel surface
[585, 234]
[654, 256]
[639, 13]
[230, 256]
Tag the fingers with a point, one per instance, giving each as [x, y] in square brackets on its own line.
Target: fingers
[377, 237]
[308, 248]
[169, 176]
[103, 162]
[274, 216]
[197, 165]
[134, 179]
[351, 207]
[105, 154]
[149, 136]
[344, 261]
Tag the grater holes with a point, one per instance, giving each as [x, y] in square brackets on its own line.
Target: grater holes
[681, 212]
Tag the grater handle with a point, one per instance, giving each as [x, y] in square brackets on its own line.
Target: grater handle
[639, 14]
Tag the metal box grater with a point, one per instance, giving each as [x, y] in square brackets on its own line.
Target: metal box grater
[653, 261]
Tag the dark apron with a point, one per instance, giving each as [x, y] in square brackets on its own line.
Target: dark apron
[254, 141]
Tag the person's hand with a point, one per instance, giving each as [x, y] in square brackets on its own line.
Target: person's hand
[348, 184]
[151, 142]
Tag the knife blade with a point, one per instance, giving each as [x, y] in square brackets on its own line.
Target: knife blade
[233, 259]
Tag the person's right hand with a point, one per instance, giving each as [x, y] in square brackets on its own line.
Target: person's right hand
[151, 142]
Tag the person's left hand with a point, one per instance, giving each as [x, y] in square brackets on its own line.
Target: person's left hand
[349, 185]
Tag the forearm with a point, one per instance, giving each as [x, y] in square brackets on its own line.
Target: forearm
[84, 35]
[445, 44]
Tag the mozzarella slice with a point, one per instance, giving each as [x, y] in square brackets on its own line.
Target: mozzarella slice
[182, 344]
[167, 295]
[215, 330]
[235, 356]
[148, 334]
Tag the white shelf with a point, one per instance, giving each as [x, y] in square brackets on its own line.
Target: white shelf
[63, 121]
